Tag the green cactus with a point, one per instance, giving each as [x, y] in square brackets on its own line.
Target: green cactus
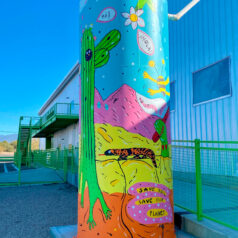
[141, 4]
[91, 58]
[160, 127]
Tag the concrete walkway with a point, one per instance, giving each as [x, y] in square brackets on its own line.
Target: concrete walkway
[30, 175]
[220, 203]
[203, 229]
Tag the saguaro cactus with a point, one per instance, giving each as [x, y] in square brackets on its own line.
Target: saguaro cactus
[91, 58]
[160, 127]
[141, 4]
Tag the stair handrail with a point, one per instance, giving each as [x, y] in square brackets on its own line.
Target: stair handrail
[18, 151]
[29, 143]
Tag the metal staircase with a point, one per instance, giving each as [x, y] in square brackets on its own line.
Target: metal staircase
[59, 116]
[26, 127]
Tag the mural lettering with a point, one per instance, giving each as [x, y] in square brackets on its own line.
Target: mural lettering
[151, 203]
[145, 43]
[106, 15]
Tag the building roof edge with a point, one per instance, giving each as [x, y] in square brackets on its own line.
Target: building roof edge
[60, 88]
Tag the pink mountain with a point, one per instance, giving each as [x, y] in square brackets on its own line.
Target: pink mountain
[122, 109]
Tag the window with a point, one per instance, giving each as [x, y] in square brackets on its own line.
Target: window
[172, 96]
[212, 83]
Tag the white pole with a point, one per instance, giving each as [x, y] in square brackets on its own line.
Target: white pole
[176, 17]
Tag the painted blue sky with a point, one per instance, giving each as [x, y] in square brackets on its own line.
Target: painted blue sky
[38, 46]
[127, 62]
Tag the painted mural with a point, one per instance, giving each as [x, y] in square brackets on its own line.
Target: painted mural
[125, 179]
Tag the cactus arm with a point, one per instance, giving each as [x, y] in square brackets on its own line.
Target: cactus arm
[109, 41]
[141, 4]
[101, 57]
[104, 46]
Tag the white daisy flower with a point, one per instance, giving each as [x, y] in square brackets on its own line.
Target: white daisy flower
[134, 18]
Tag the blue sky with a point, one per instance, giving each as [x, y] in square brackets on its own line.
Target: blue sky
[38, 46]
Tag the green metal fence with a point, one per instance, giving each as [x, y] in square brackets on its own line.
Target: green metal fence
[42, 166]
[6, 158]
[205, 176]
[65, 160]
[206, 179]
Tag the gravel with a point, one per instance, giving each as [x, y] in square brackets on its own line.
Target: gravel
[29, 211]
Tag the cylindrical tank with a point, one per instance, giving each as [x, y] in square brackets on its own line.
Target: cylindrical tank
[125, 178]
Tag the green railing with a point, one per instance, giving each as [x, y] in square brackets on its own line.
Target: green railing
[58, 159]
[206, 179]
[29, 126]
[6, 158]
[69, 109]
[26, 121]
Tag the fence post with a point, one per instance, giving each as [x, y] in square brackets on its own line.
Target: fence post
[19, 167]
[65, 165]
[72, 160]
[198, 179]
[29, 151]
[57, 159]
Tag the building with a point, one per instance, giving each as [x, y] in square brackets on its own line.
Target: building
[60, 114]
[208, 35]
[202, 45]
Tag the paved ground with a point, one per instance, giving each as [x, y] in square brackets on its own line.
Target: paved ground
[29, 211]
[7, 167]
[181, 234]
[70, 231]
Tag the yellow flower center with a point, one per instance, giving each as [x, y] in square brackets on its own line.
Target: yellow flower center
[133, 17]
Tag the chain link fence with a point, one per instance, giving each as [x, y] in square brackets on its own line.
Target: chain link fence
[206, 179]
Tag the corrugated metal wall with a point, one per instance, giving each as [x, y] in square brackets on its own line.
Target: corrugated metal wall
[208, 33]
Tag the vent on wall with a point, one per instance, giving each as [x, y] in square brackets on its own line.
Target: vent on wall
[212, 82]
